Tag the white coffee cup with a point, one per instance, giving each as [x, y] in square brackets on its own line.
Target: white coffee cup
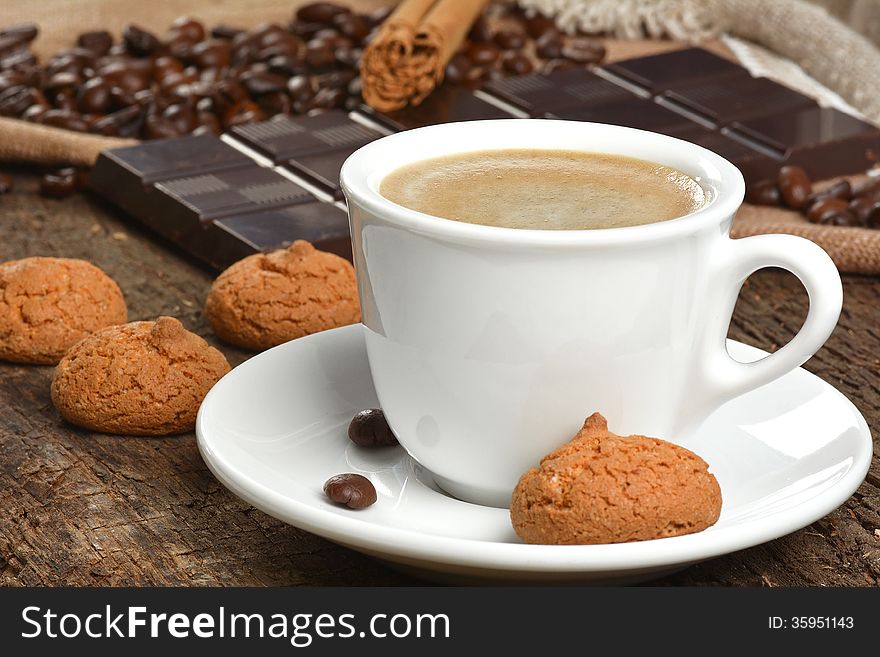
[489, 346]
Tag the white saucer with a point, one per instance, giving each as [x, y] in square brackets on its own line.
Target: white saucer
[274, 429]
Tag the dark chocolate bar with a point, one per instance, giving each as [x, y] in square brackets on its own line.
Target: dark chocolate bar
[715, 141]
[738, 98]
[537, 94]
[213, 195]
[634, 113]
[446, 104]
[657, 73]
[286, 137]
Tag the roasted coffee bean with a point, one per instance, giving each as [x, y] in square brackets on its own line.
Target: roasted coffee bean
[328, 99]
[821, 210]
[62, 82]
[15, 100]
[549, 45]
[516, 63]
[867, 188]
[369, 428]
[320, 54]
[94, 97]
[509, 39]
[125, 122]
[157, 127]
[795, 185]
[138, 41]
[21, 60]
[181, 117]
[348, 57]
[22, 33]
[353, 26]
[480, 31]
[865, 209]
[165, 66]
[99, 42]
[213, 53]
[840, 189]
[584, 51]
[60, 118]
[483, 54]
[300, 87]
[305, 30]
[263, 82]
[5, 183]
[457, 68]
[245, 111]
[334, 79]
[320, 12]
[275, 103]
[764, 192]
[189, 28]
[225, 32]
[355, 89]
[65, 101]
[59, 184]
[538, 25]
[125, 76]
[34, 113]
[286, 65]
[352, 490]
[843, 218]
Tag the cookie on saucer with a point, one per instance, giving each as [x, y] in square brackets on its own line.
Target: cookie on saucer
[268, 299]
[605, 488]
[49, 304]
[139, 379]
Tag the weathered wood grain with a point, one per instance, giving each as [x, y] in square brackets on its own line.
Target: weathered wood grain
[84, 509]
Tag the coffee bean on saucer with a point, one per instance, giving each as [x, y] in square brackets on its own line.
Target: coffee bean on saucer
[370, 429]
[549, 45]
[795, 185]
[58, 184]
[352, 490]
[764, 192]
[584, 51]
[5, 183]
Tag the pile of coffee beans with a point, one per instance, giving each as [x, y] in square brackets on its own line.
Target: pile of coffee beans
[193, 79]
[840, 204]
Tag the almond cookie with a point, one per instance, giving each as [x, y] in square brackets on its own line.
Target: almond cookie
[47, 305]
[139, 379]
[605, 488]
[267, 299]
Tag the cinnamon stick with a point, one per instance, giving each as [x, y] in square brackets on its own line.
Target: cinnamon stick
[406, 60]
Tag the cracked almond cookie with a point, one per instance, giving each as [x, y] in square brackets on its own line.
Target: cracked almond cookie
[267, 299]
[47, 305]
[605, 488]
[139, 379]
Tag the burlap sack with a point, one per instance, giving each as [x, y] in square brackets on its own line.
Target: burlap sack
[829, 51]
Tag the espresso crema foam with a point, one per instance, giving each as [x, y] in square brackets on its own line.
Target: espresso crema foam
[544, 189]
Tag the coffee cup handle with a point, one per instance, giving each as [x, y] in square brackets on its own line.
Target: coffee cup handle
[726, 378]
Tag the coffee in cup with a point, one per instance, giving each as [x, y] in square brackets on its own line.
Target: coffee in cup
[544, 189]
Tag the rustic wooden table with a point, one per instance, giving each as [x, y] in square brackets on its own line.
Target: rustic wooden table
[78, 508]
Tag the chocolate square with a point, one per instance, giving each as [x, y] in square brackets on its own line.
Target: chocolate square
[656, 73]
[231, 238]
[539, 93]
[285, 137]
[322, 169]
[635, 113]
[736, 99]
[446, 104]
[249, 189]
[715, 141]
[823, 140]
